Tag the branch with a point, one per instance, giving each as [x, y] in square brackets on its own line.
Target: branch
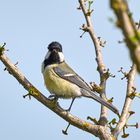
[128, 100]
[126, 24]
[101, 67]
[96, 130]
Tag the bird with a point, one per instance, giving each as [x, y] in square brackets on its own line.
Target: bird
[63, 82]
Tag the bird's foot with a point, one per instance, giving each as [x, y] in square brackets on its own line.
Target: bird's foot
[53, 97]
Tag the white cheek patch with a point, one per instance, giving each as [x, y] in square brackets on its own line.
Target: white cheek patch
[47, 55]
[61, 56]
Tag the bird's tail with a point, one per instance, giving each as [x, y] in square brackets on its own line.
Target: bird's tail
[92, 95]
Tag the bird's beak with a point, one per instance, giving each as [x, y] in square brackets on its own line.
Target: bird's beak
[54, 50]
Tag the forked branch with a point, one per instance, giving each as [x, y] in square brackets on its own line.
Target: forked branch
[128, 101]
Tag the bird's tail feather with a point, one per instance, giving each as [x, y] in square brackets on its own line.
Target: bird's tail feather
[90, 94]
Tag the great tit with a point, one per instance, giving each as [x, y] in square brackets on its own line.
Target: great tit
[63, 82]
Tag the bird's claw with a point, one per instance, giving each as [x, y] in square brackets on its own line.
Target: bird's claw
[53, 98]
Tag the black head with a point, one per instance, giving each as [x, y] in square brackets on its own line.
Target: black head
[54, 55]
[55, 46]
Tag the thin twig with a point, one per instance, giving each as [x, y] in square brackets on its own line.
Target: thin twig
[128, 100]
[101, 67]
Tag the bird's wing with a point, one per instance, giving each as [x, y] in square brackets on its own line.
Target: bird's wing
[65, 72]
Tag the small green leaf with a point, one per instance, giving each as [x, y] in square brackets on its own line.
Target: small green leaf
[114, 121]
[2, 48]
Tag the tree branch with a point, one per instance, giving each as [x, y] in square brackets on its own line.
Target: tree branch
[126, 24]
[128, 100]
[96, 130]
[101, 67]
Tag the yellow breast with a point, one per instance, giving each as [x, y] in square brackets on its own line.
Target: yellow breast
[57, 85]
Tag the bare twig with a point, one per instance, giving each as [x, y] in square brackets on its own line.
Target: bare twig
[101, 67]
[126, 108]
[96, 130]
[130, 32]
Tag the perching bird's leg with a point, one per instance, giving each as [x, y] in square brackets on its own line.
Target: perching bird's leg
[65, 131]
[70, 105]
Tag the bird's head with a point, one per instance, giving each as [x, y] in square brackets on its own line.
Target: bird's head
[54, 54]
[55, 46]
